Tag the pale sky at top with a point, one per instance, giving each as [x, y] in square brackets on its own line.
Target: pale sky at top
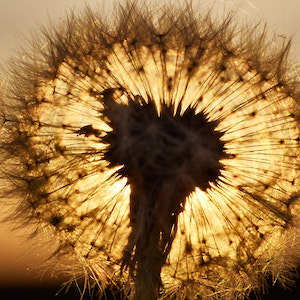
[23, 15]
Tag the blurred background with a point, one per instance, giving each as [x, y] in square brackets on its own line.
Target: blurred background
[19, 274]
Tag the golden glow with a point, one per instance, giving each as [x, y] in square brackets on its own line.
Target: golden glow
[74, 186]
[210, 223]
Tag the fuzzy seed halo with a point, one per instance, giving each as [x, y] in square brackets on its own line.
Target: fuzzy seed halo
[161, 149]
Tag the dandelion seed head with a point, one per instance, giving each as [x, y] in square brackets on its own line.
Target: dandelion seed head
[162, 151]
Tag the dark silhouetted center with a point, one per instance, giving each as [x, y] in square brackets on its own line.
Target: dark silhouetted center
[155, 148]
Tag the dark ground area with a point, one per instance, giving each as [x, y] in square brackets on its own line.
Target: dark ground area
[274, 292]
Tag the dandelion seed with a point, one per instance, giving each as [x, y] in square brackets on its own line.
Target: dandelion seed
[161, 149]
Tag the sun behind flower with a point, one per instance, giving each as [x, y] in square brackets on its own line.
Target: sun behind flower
[162, 149]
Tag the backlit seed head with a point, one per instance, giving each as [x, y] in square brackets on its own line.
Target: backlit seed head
[162, 149]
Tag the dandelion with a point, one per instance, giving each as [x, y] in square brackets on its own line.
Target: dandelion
[161, 149]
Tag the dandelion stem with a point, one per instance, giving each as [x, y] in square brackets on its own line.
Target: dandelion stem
[151, 239]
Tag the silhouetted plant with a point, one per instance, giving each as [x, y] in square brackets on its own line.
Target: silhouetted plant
[161, 148]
